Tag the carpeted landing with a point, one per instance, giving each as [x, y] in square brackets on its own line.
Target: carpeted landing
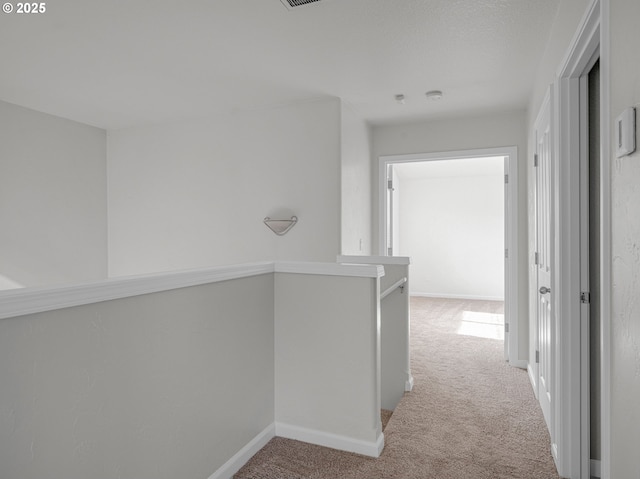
[470, 415]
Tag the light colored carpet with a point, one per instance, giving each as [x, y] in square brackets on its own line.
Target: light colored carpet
[385, 415]
[470, 415]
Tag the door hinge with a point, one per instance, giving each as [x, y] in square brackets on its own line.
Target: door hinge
[537, 357]
[506, 327]
[389, 184]
[536, 259]
[585, 297]
[535, 160]
[506, 254]
[506, 179]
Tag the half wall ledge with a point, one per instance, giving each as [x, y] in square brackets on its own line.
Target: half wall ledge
[20, 302]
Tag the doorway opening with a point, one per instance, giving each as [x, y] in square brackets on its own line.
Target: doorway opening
[455, 214]
[590, 277]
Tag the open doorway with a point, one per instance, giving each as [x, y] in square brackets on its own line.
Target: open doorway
[454, 214]
[449, 218]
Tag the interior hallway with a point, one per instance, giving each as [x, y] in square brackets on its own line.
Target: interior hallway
[469, 414]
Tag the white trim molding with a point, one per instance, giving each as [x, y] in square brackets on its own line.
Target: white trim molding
[408, 385]
[532, 379]
[605, 238]
[456, 296]
[396, 260]
[239, 459]
[334, 441]
[20, 302]
[330, 269]
[571, 423]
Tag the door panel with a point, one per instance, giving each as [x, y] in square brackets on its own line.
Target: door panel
[543, 241]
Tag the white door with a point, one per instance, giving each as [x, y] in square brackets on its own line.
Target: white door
[543, 242]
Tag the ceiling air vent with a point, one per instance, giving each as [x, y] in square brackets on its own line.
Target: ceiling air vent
[297, 3]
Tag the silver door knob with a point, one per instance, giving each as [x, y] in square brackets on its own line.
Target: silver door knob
[544, 290]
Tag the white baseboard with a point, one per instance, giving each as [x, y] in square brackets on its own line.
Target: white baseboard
[234, 464]
[456, 296]
[408, 384]
[519, 363]
[334, 441]
[532, 380]
[595, 468]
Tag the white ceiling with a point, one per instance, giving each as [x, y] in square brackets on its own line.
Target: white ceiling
[118, 63]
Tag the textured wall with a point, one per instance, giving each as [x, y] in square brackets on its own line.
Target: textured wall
[163, 385]
[452, 227]
[326, 352]
[625, 315]
[394, 336]
[53, 206]
[194, 194]
[355, 144]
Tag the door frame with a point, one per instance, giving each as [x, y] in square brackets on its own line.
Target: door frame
[511, 280]
[590, 40]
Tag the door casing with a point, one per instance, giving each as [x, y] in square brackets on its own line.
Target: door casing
[511, 228]
[590, 41]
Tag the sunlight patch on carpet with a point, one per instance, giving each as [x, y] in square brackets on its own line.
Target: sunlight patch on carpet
[482, 325]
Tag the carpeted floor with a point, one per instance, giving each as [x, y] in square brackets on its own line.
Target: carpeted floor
[470, 415]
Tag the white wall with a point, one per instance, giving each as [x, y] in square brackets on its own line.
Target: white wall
[189, 374]
[452, 227]
[327, 360]
[568, 17]
[356, 183]
[624, 92]
[161, 385]
[395, 321]
[395, 364]
[625, 314]
[53, 208]
[500, 129]
[195, 194]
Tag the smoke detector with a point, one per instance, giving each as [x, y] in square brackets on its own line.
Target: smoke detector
[291, 4]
